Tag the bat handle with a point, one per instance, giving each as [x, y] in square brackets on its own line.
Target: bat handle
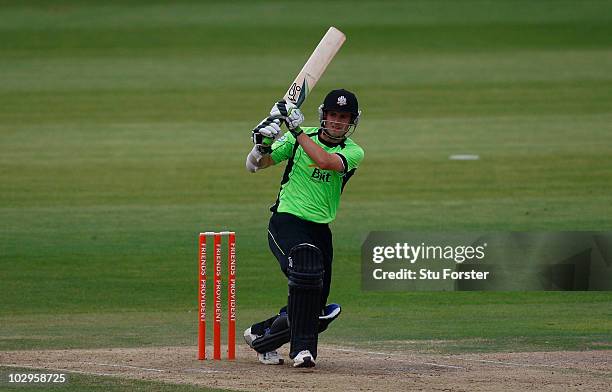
[268, 141]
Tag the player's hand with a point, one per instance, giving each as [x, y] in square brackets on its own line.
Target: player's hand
[281, 109]
[269, 127]
[290, 113]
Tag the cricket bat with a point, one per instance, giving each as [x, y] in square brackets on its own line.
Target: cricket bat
[312, 71]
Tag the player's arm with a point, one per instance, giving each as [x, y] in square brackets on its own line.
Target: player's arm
[293, 117]
[256, 160]
[322, 158]
[259, 157]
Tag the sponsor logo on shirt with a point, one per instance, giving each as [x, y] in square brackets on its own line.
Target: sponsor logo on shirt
[321, 175]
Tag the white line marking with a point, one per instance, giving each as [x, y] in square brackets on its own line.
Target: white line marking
[464, 157]
[530, 365]
[445, 366]
[348, 350]
[124, 366]
[202, 371]
[398, 356]
[276, 243]
[456, 359]
[506, 363]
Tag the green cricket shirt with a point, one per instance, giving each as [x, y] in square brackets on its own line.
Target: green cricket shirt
[307, 191]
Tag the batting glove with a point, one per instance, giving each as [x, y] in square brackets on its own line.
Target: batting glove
[267, 128]
[281, 109]
[290, 114]
[287, 111]
[293, 120]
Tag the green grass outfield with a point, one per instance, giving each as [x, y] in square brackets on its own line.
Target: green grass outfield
[124, 127]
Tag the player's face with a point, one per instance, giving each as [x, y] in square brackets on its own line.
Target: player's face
[337, 123]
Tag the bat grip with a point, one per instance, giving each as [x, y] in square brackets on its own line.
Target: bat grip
[267, 141]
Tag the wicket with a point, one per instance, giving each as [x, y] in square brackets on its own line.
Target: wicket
[231, 294]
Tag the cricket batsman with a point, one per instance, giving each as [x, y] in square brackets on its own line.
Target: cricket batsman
[320, 161]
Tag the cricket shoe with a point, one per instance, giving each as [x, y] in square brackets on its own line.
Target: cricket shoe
[269, 358]
[304, 359]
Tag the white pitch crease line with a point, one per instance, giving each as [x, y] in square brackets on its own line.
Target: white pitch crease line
[506, 363]
[527, 365]
[202, 371]
[124, 366]
[392, 355]
[348, 350]
[445, 366]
